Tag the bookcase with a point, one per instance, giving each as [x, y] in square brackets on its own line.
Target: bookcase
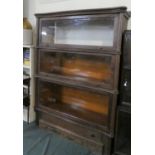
[122, 140]
[28, 71]
[77, 74]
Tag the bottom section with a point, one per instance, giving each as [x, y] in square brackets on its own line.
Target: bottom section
[85, 104]
[95, 141]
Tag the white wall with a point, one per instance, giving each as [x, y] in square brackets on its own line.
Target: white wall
[43, 6]
[29, 11]
[25, 8]
[59, 5]
[30, 7]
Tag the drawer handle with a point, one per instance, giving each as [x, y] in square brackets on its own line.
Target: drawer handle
[92, 135]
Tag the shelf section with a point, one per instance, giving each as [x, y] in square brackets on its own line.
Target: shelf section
[25, 66]
[28, 46]
[25, 77]
[24, 86]
[28, 56]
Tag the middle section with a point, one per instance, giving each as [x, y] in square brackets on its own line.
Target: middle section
[95, 70]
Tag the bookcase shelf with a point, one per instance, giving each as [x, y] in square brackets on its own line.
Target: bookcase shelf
[28, 71]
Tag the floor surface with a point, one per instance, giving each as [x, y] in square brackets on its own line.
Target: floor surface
[40, 142]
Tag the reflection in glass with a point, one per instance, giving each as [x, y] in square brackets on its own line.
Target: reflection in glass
[94, 32]
[77, 102]
[126, 86]
[81, 67]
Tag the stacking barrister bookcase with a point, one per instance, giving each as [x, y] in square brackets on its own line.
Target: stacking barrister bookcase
[77, 74]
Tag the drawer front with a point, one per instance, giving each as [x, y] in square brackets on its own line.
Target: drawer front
[95, 70]
[73, 127]
[96, 142]
[94, 147]
[97, 109]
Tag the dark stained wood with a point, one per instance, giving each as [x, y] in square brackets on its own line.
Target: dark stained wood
[74, 48]
[66, 81]
[123, 132]
[86, 12]
[122, 140]
[118, 19]
[125, 80]
[72, 126]
[98, 148]
[126, 57]
[77, 85]
[79, 121]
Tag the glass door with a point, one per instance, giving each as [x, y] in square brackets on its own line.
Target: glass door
[97, 70]
[86, 105]
[81, 31]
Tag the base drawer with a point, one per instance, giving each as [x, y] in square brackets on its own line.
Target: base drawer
[96, 142]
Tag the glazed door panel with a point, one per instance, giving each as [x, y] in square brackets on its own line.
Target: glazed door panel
[80, 31]
[91, 69]
[86, 105]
